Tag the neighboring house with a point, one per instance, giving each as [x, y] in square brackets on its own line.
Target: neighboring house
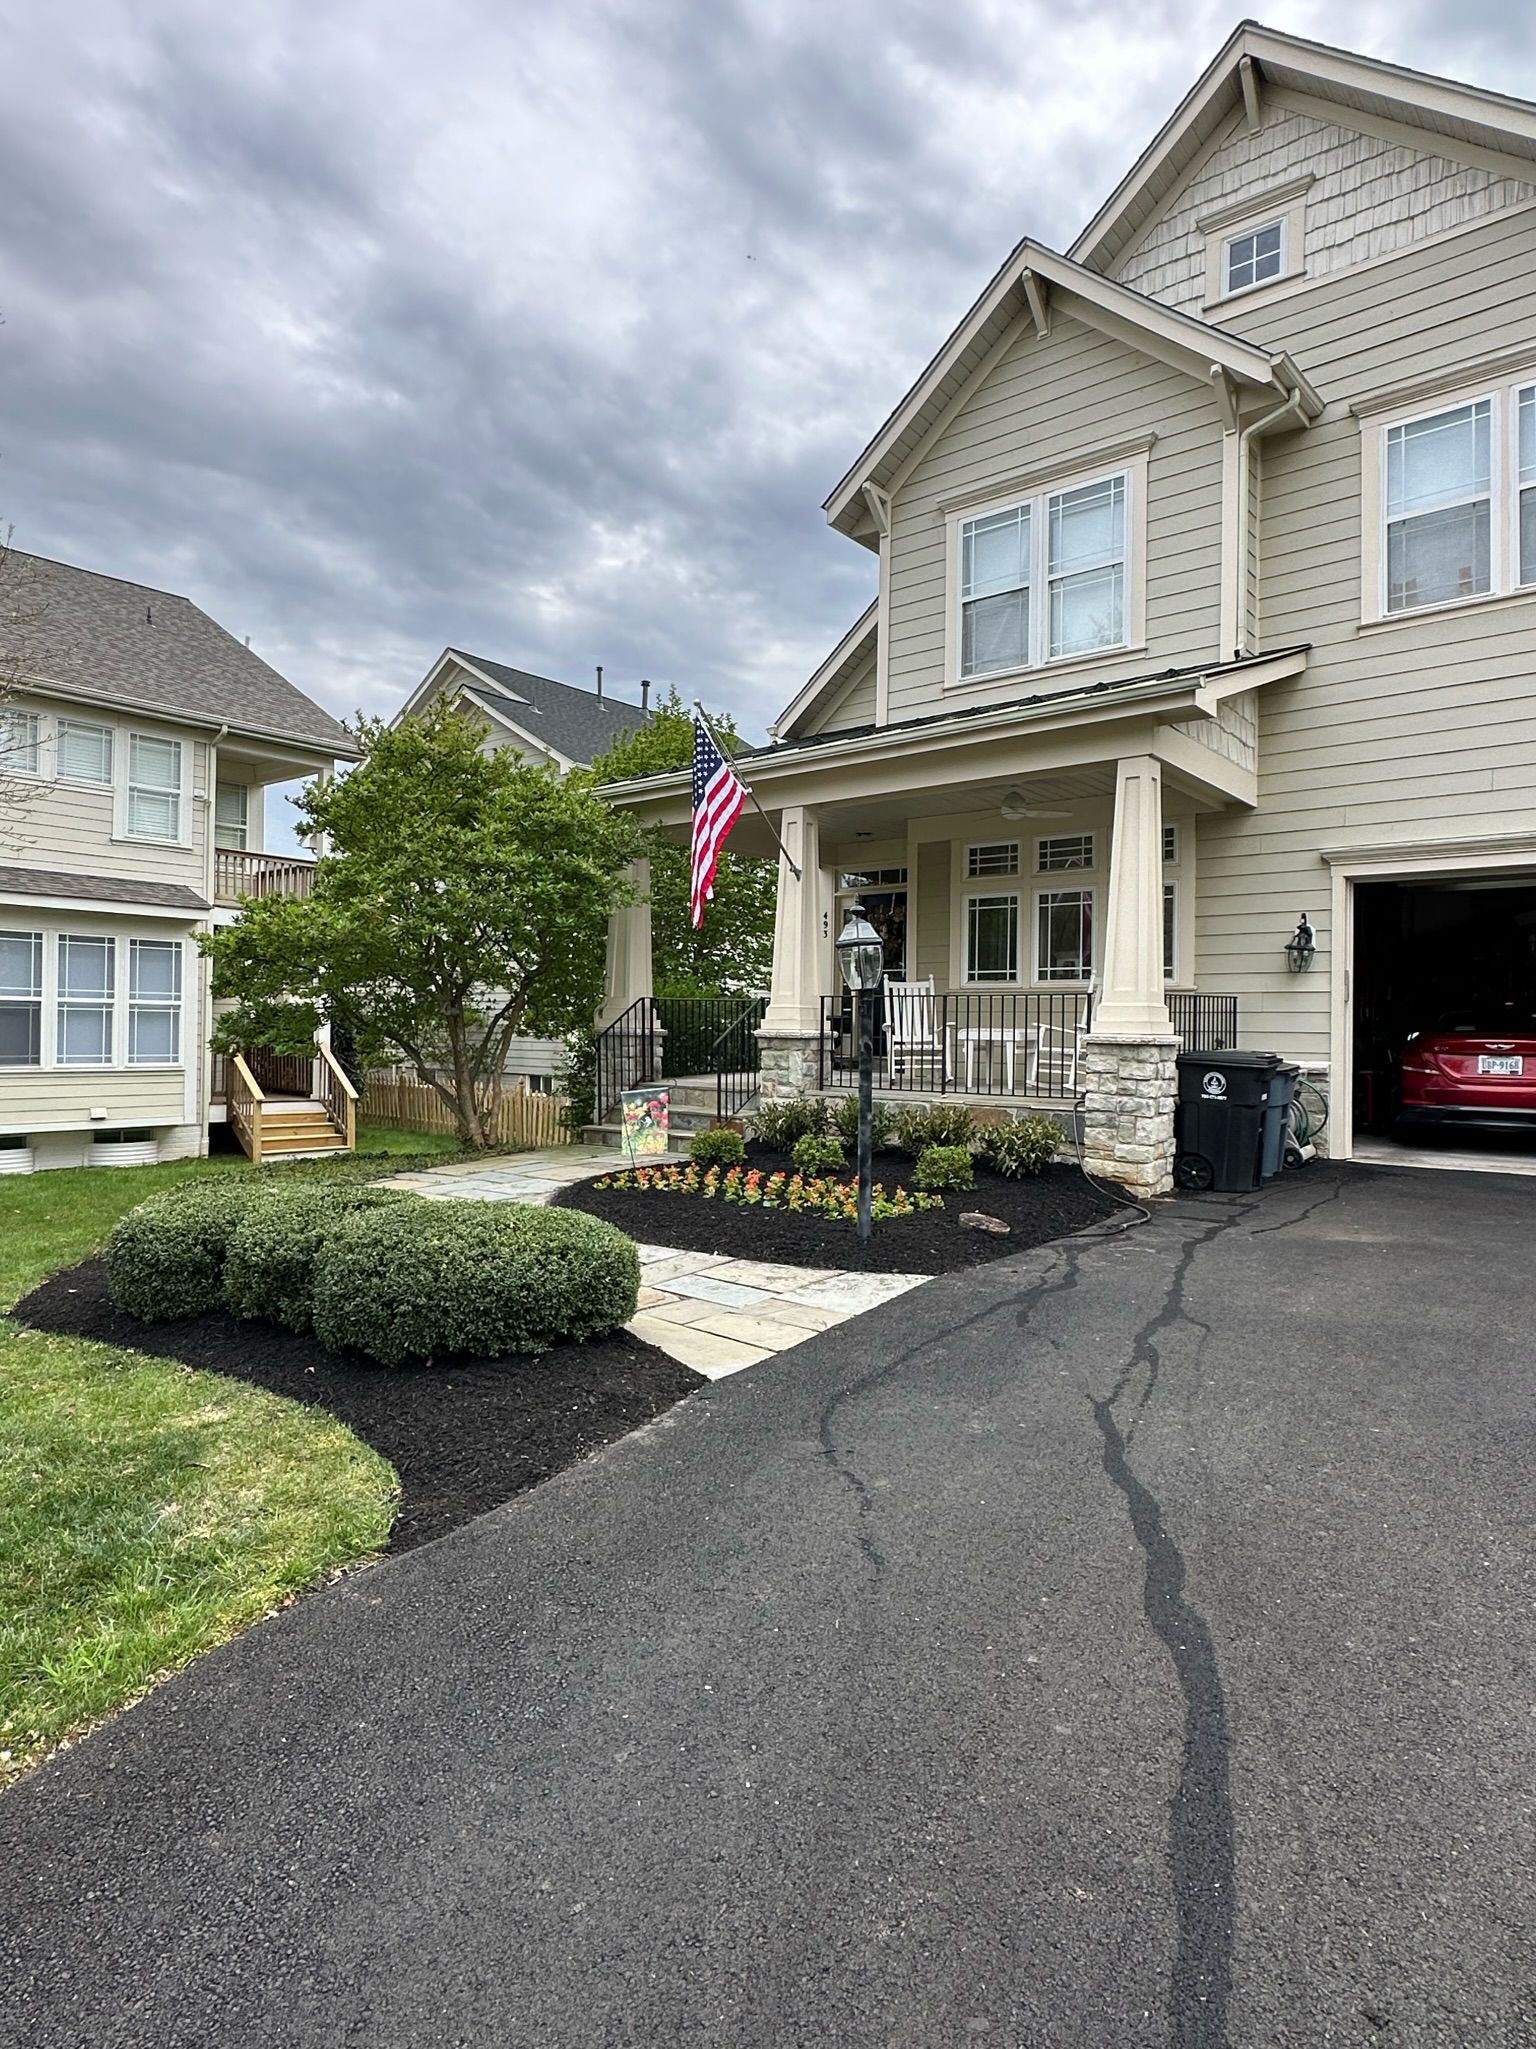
[1207, 598]
[136, 739]
[546, 722]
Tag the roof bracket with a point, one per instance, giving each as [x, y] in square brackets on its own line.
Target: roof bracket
[879, 503]
[1226, 398]
[1035, 291]
[1248, 78]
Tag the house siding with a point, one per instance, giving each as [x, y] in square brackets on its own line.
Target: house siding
[1371, 198]
[1417, 730]
[70, 826]
[930, 955]
[1049, 401]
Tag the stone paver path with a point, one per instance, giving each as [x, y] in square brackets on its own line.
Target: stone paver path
[705, 1309]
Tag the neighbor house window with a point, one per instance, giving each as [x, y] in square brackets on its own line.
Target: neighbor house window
[1170, 930]
[1044, 580]
[1064, 935]
[154, 1001]
[86, 993]
[1255, 257]
[21, 999]
[1526, 458]
[85, 752]
[21, 740]
[1439, 506]
[1065, 850]
[992, 939]
[154, 788]
[231, 816]
[1001, 858]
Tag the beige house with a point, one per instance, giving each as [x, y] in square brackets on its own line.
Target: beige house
[136, 741]
[1207, 599]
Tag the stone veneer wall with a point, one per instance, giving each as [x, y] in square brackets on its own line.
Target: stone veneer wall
[1129, 1090]
[790, 1064]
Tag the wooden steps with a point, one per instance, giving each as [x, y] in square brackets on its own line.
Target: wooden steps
[292, 1127]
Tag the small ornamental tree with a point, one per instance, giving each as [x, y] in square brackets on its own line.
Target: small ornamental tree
[463, 900]
[732, 951]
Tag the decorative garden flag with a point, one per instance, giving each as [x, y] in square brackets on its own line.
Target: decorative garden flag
[645, 1115]
[718, 795]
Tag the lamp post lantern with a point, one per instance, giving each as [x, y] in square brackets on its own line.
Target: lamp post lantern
[861, 961]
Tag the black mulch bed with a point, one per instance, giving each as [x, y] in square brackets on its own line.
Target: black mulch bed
[1053, 1205]
[462, 1437]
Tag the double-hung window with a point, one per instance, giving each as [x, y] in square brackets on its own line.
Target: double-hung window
[231, 816]
[84, 752]
[1439, 507]
[1064, 935]
[21, 999]
[87, 987]
[1044, 580]
[154, 1001]
[21, 743]
[154, 788]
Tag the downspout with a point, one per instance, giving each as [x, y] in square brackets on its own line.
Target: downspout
[205, 966]
[1294, 404]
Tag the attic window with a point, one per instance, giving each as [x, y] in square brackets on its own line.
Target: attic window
[1255, 257]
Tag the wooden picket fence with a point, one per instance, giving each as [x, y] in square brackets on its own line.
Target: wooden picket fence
[405, 1104]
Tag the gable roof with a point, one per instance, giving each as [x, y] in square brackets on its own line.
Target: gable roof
[575, 724]
[1255, 56]
[130, 647]
[1030, 280]
[855, 648]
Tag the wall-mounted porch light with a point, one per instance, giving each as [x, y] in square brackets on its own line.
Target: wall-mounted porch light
[1301, 947]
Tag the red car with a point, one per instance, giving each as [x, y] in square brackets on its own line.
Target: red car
[1476, 1066]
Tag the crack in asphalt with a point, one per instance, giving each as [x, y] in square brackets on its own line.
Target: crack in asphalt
[1202, 1850]
[1286, 1223]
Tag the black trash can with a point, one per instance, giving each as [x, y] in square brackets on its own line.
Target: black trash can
[1218, 1132]
[1282, 1093]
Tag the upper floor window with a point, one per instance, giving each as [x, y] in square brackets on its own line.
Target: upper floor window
[231, 816]
[21, 999]
[154, 788]
[1451, 502]
[85, 752]
[1043, 580]
[21, 740]
[1254, 257]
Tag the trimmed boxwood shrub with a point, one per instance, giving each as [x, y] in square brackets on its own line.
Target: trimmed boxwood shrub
[269, 1267]
[815, 1154]
[1026, 1146]
[719, 1147]
[166, 1258]
[944, 1124]
[944, 1166]
[777, 1123]
[425, 1280]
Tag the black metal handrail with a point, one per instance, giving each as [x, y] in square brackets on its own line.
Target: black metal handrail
[625, 1055]
[970, 1044]
[737, 1058]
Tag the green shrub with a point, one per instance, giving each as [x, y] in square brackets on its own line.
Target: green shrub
[944, 1124]
[816, 1153]
[269, 1267]
[944, 1166]
[720, 1147]
[1026, 1146]
[778, 1124]
[166, 1258]
[845, 1122]
[425, 1280]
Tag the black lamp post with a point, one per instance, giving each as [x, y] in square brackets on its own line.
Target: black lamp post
[861, 960]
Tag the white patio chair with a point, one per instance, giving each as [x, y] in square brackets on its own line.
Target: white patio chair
[1054, 1055]
[914, 1035]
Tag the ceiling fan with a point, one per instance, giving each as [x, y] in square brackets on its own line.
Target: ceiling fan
[1014, 804]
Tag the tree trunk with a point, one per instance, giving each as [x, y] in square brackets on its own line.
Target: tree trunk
[466, 1107]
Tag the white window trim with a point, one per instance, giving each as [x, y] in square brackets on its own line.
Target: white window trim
[1088, 867]
[53, 930]
[40, 744]
[15, 923]
[1172, 959]
[1133, 468]
[999, 875]
[120, 784]
[1504, 494]
[80, 782]
[1072, 884]
[113, 1005]
[976, 891]
[1285, 205]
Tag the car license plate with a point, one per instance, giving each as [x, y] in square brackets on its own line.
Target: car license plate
[1500, 1063]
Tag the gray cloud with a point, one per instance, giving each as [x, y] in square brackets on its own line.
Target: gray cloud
[540, 330]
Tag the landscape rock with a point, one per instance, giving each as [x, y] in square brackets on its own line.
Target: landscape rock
[978, 1220]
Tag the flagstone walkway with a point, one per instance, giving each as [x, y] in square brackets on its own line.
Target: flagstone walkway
[704, 1309]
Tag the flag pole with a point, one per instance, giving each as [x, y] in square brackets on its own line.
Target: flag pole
[725, 755]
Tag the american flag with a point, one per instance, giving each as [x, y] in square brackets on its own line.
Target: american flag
[718, 795]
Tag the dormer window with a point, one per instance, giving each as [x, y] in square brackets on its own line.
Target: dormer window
[1254, 257]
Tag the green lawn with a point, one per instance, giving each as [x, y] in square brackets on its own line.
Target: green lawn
[148, 1512]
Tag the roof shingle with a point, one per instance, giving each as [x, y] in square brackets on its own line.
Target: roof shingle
[577, 724]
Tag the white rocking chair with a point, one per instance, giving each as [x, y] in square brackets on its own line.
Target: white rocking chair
[914, 1034]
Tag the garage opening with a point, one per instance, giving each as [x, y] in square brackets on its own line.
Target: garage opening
[1445, 1016]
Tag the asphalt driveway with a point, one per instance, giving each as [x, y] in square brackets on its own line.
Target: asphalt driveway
[1130, 1643]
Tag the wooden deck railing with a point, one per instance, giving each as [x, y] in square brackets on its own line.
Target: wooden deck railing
[237, 874]
[338, 1096]
[243, 1099]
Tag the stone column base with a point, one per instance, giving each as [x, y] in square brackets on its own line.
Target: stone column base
[791, 1063]
[1129, 1090]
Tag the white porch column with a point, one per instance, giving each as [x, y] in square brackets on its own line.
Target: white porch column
[790, 1031]
[1129, 1075]
[1132, 1001]
[629, 948]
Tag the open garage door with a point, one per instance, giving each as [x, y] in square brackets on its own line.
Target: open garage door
[1445, 1013]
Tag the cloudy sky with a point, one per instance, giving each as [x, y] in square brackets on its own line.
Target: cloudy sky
[539, 329]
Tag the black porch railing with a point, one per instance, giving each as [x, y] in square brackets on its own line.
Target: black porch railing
[1206, 1024]
[931, 1044]
[662, 1038]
